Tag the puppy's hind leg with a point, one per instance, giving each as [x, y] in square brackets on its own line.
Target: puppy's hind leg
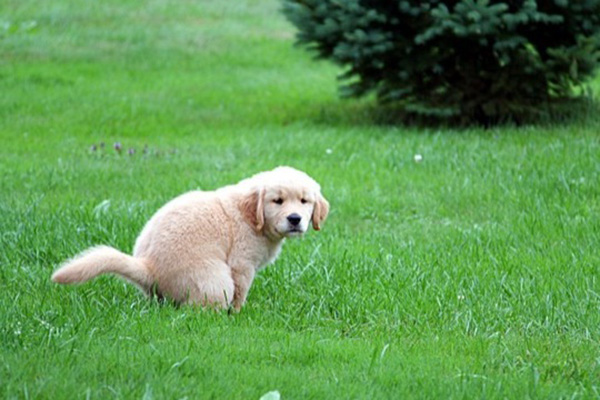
[210, 286]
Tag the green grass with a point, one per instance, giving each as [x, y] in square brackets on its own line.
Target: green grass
[473, 274]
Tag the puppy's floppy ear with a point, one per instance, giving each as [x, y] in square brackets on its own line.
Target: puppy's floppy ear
[252, 208]
[320, 212]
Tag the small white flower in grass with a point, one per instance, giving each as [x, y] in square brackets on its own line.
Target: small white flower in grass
[272, 395]
[418, 158]
[328, 151]
[460, 297]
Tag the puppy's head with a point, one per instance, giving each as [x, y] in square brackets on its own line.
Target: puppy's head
[283, 203]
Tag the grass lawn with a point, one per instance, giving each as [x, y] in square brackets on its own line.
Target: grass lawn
[471, 274]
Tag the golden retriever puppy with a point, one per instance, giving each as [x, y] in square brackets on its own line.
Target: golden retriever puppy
[205, 247]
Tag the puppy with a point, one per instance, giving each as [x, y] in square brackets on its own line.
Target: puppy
[205, 247]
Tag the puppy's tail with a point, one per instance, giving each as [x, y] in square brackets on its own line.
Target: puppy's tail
[101, 260]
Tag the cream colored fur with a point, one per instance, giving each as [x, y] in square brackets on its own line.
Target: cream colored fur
[205, 247]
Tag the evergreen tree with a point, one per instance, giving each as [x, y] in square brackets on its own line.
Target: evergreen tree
[482, 60]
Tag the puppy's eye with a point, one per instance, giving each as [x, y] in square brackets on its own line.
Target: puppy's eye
[278, 200]
[303, 201]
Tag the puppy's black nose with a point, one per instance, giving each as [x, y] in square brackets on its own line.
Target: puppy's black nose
[294, 219]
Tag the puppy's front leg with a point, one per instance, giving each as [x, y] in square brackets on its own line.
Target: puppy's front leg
[242, 280]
